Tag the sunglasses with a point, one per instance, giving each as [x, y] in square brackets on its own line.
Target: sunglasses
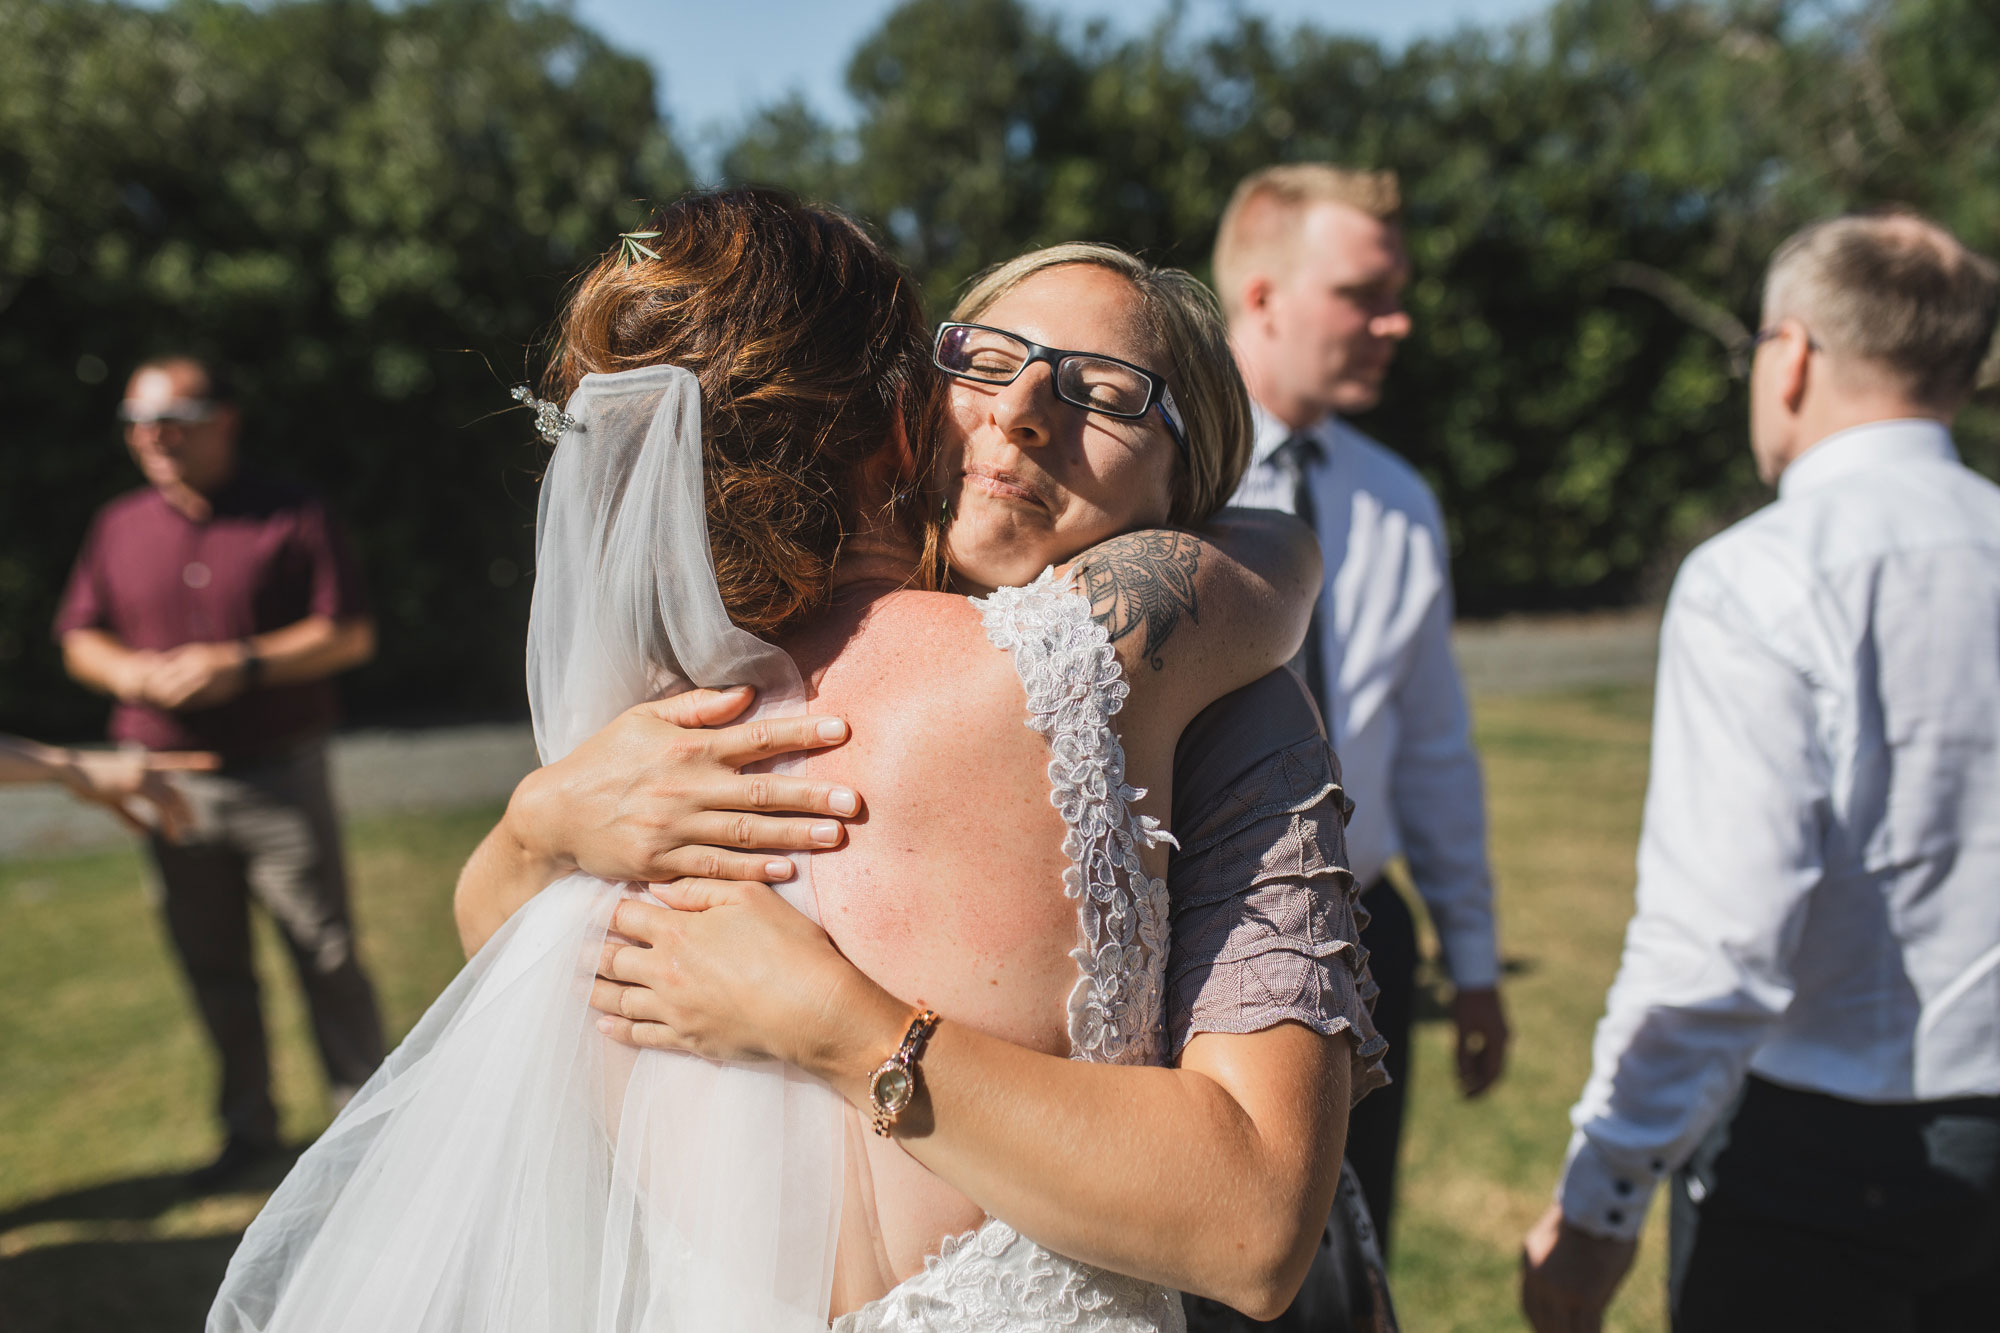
[1089, 380]
[173, 412]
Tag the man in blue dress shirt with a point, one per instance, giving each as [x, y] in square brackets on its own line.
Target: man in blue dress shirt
[1804, 1035]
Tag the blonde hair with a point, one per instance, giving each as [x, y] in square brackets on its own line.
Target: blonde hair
[1190, 337]
[1261, 224]
[1894, 289]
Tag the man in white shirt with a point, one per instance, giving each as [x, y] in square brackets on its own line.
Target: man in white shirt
[1805, 1028]
[1310, 266]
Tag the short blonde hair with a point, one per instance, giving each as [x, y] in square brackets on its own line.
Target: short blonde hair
[1192, 341]
[1261, 224]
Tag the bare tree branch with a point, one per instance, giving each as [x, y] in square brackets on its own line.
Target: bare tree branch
[1711, 318]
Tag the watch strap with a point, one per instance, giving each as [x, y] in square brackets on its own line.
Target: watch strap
[908, 1052]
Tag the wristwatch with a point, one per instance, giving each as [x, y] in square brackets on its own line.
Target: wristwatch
[253, 665]
[893, 1085]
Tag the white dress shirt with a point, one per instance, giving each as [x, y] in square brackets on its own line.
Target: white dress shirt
[1397, 717]
[1819, 871]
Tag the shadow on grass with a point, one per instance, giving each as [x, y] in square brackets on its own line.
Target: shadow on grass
[143, 1255]
[150, 1286]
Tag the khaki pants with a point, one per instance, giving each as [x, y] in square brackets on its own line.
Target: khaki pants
[266, 830]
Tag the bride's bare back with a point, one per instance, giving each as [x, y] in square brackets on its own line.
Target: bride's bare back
[950, 890]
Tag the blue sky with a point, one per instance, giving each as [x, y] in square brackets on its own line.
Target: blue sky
[720, 59]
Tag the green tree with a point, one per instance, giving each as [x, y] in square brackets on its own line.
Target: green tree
[1591, 198]
[340, 199]
[359, 209]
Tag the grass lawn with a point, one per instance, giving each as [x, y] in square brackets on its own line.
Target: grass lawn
[105, 1081]
[1565, 778]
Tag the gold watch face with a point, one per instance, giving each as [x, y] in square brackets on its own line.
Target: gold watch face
[891, 1088]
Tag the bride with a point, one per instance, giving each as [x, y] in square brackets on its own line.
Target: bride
[510, 1168]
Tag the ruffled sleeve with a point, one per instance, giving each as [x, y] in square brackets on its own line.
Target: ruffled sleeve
[1266, 918]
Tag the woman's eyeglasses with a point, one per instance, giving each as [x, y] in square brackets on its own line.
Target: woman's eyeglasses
[1095, 383]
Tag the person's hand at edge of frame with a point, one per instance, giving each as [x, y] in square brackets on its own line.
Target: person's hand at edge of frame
[135, 785]
[1568, 1275]
[1481, 1023]
[659, 794]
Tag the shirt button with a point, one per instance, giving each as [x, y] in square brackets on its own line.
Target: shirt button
[196, 574]
[1621, 1187]
[1659, 1166]
[1614, 1217]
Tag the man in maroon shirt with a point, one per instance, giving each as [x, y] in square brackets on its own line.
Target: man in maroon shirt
[216, 606]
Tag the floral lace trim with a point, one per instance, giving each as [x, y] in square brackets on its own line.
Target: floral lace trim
[995, 1280]
[1074, 685]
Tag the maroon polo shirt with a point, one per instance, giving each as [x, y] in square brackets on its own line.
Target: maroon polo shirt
[269, 556]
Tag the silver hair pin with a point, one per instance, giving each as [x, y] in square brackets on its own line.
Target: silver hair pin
[550, 421]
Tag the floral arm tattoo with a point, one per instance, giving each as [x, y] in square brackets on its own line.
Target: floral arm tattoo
[1143, 581]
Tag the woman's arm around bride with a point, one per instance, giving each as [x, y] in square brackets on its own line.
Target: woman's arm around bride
[1214, 1177]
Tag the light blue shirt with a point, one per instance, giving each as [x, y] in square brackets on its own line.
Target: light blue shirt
[1819, 870]
[1397, 715]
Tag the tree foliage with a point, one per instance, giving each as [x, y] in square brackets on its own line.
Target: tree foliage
[334, 199]
[1561, 179]
[337, 197]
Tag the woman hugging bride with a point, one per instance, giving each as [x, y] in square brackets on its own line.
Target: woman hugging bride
[927, 1078]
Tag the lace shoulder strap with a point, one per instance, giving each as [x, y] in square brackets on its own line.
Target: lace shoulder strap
[1074, 685]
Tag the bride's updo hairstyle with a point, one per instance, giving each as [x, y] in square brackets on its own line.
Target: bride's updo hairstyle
[1190, 338]
[811, 349]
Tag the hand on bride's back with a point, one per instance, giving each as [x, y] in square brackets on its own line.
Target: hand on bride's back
[731, 971]
[659, 794]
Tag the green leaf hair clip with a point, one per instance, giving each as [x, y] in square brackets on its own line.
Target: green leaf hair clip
[632, 245]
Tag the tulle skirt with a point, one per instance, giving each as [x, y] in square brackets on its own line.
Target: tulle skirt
[511, 1170]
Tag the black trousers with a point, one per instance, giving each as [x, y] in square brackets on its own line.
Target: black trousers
[1375, 1129]
[1801, 1210]
[266, 831]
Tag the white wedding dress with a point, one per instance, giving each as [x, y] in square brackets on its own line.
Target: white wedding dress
[511, 1170]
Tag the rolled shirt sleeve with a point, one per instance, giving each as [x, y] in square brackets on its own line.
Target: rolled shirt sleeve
[1730, 853]
[337, 591]
[83, 604]
[1265, 916]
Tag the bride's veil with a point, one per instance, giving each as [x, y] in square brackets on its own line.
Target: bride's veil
[626, 607]
[509, 1169]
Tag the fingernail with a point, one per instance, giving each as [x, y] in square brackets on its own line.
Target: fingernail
[828, 833]
[778, 869]
[843, 801]
[832, 729]
[605, 1025]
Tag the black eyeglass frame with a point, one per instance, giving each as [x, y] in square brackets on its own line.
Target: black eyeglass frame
[1744, 351]
[1158, 394]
